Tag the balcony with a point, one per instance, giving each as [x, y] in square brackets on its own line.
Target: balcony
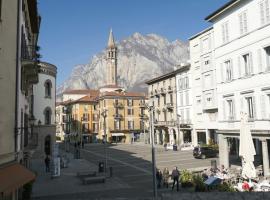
[142, 104]
[170, 89]
[165, 123]
[156, 92]
[143, 116]
[117, 116]
[169, 106]
[29, 58]
[118, 105]
[162, 91]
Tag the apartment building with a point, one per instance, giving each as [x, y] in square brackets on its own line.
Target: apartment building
[19, 25]
[204, 88]
[162, 96]
[122, 116]
[185, 105]
[242, 43]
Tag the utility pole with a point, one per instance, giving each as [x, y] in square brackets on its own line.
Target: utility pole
[104, 115]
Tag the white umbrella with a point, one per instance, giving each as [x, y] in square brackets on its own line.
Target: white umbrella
[246, 149]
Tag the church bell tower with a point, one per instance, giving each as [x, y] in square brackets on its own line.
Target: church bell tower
[111, 61]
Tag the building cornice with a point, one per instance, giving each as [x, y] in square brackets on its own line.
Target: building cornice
[47, 68]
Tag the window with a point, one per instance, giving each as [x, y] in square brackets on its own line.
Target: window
[130, 102]
[171, 98]
[164, 100]
[48, 88]
[267, 54]
[130, 111]
[131, 125]
[180, 83]
[247, 64]
[117, 125]
[186, 83]
[85, 117]
[47, 116]
[158, 100]
[85, 108]
[225, 32]
[206, 62]
[85, 127]
[228, 67]
[230, 109]
[250, 107]
[198, 100]
[243, 23]
[264, 12]
[181, 99]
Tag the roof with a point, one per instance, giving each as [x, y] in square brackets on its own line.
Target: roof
[86, 91]
[85, 99]
[122, 94]
[111, 40]
[200, 33]
[221, 9]
[14, 176]
[168, 75]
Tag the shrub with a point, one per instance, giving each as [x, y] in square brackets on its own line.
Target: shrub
[225, 187]
[199, 183]
[186, 178]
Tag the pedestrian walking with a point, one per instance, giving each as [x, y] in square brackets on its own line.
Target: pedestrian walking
[159, 178]
[47, 163]
[175, 177]
[166, 175]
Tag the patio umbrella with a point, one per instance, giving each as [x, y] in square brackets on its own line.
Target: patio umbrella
[246, 149]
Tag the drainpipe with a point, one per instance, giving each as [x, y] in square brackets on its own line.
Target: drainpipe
[17, 76]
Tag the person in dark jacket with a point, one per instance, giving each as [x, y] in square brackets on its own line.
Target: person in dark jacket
[159, 177]
[175, 177]
[47, 163]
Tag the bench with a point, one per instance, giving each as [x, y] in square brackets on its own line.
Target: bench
[86, 174]
[96, 179]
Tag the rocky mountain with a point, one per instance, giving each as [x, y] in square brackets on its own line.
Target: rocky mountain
[140, 58]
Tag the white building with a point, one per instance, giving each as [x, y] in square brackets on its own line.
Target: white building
[44, 107]
[184, 105]
[242, 58]
[204, 88]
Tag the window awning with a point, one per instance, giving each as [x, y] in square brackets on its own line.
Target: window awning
[14, 176]
[118, 134]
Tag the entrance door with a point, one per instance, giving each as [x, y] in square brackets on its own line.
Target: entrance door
[201, 137]
[47, 145]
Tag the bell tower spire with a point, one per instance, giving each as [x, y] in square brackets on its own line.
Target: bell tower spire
[111, 61]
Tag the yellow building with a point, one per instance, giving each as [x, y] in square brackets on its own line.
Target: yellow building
[124, 114]
[83, 118]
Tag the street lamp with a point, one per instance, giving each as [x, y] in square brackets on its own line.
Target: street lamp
[151, 127]
[104, 115]
[178, 129]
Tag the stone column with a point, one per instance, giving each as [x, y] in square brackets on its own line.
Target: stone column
[207, 136]
[181, 137]
[158, 136]
[223, 151]
[194, 138]
[265, 157]
[257, 147]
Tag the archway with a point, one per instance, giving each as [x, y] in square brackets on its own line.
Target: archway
[47, 145]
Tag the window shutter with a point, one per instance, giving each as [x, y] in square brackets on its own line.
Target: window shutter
[232, 69]
[239, 66]
[251, 63]
[242, 105]
[224, 110]
[221, 73]
[267, 14]
[259, 52]
[263, 107]
[254, 107]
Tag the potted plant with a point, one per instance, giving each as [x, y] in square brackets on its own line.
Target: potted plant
[186, 179]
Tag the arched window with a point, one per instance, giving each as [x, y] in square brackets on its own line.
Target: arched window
[47, 115]
[48, 88]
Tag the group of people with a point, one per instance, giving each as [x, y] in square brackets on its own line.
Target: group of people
[165, 175]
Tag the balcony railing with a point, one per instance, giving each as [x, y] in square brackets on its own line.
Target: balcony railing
[166, 123]
[170, 89]
[117, 116]
[142, 104]
[118, 105]
[169, 106]
[143, 116]
[30, 53]
[162, 91]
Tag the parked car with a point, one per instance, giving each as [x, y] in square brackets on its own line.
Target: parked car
[204, 152]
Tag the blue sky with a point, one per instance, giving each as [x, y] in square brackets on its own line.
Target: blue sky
[72, 31]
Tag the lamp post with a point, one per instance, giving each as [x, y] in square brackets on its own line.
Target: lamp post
[151, 127]
[104, 115]
[178, 129]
